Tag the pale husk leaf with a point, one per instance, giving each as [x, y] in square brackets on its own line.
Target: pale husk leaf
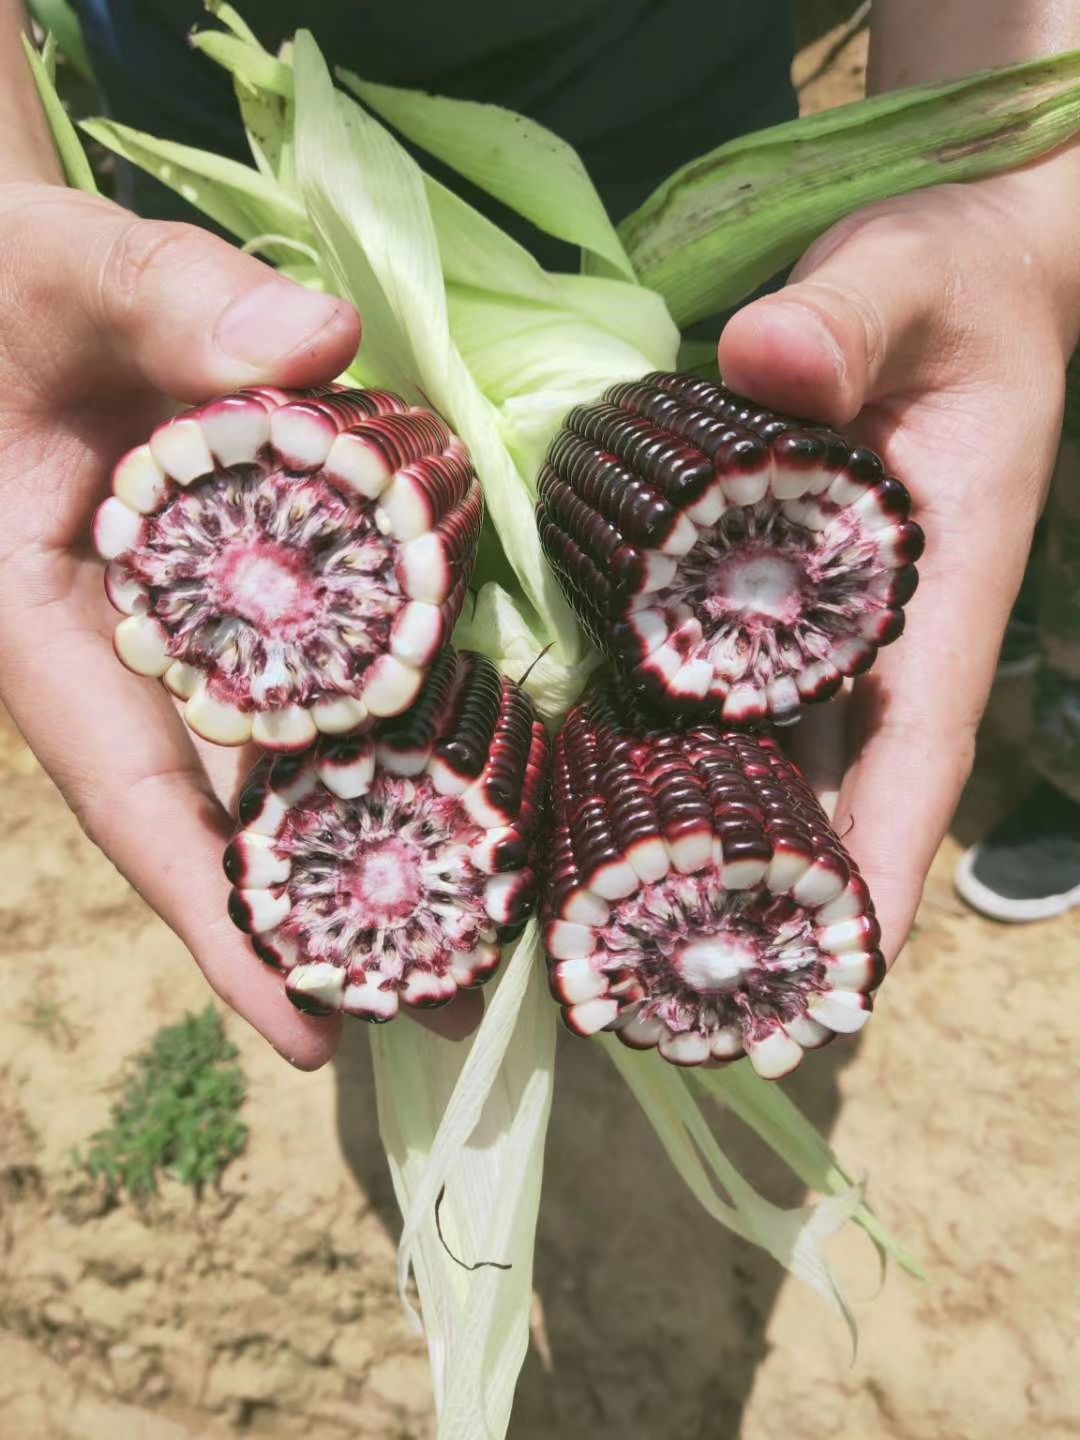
[517, 160]
[468, 1122]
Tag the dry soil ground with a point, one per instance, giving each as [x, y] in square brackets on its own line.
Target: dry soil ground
[269, 1310]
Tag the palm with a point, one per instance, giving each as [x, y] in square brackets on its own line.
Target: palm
[951, 447]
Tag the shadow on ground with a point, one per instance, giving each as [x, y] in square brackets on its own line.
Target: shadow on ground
[654, 1318]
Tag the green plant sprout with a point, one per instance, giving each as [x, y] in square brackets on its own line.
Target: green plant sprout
[177, 1114]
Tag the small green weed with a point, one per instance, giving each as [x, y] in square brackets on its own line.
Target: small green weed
[177, 1112]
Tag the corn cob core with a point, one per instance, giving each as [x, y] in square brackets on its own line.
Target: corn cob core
[731, 561]
[388, 867]
[697, 899]
[290, 564]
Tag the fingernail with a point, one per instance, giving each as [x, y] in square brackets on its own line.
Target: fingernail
[268, 324]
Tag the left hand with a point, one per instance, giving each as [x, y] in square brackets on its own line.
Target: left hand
[936, 328]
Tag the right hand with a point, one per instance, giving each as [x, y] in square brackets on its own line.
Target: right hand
[105, 319]
[938, 324]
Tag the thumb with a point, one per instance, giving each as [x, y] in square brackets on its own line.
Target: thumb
[845, 330]
[108, 298]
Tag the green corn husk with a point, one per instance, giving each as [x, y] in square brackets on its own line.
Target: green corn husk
[725, 223]
[58, 19]
[458, 312]
[72, 156]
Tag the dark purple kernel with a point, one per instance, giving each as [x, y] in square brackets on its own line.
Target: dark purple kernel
[252, 797]
[879, 969]
[239, 912]
[308, 1005]
[473, 715]
[745, 845]
[865, 465]
[745, 453]
[905, 583]
[638, 509]
[800, 448]
[772, 427]
[266, 953]
[893, 496]
[232, 864]
[892, 628]
[511, 853]
[912, 542]
[416, 729]
[285, 769]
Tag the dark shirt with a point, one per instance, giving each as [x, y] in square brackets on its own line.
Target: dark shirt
[638, 87]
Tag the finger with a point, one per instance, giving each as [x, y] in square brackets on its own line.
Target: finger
[225, 767]
[901, 791]
[121, 757]
[848, 327]
[159, 304]
[914, 717]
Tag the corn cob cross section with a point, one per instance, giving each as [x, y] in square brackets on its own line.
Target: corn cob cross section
[729, 560]
[290, 564]
[697, 899]
[388, 867]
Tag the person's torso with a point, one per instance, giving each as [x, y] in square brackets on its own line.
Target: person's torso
[639, 87]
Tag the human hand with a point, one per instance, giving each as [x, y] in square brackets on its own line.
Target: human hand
[106, 318]
[936, 328]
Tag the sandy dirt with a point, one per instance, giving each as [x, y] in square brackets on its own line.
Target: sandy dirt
[269, 1309]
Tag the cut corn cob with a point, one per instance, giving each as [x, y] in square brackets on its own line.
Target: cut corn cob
[730, 561]
[388, 868]
[290, 564]
[697, 899]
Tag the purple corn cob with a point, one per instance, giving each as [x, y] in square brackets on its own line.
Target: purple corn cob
[730, 561]
[388, 867]
[290, 563]
[696, 897]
